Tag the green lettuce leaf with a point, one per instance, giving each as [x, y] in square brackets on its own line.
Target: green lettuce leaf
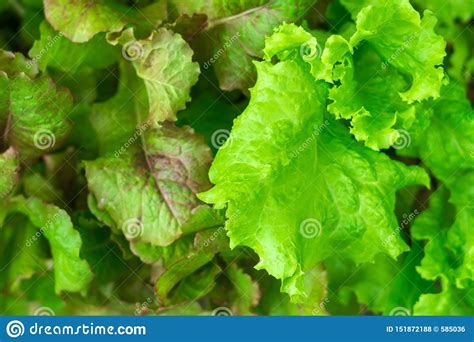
[100, 251]
[38, 117]
[33, 112]
[195, 286]
[55, 50]
[368, 96]
[455, 24]
[387, 286]
[182, 267]
[442, 137]
[236, 31]
[273, 302]
[407, 285]
[449, 251]
[282, 141]
[117, 120]
[448, 12]
[394, 29]
[382, 70]
[161, 182]
[245, 291]
[20, 260]
[80, 20]
[210, 114]
[9, 164]
[109, 204]
[164, 62]
[370, 282]
[12, 64]
[450, 302]
[71, 273]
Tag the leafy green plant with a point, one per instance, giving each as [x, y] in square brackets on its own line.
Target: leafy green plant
[260, 157]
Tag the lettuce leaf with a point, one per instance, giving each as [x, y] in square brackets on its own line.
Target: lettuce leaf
[236, 31]
[33, 111]
[55, 50]
[280, 142]
[80, 20]
[441, 137]
[161, 181]
[9, 164]
[164, 62]
[344, 186]
[392, 61]
[71, 273]
[447, 228]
